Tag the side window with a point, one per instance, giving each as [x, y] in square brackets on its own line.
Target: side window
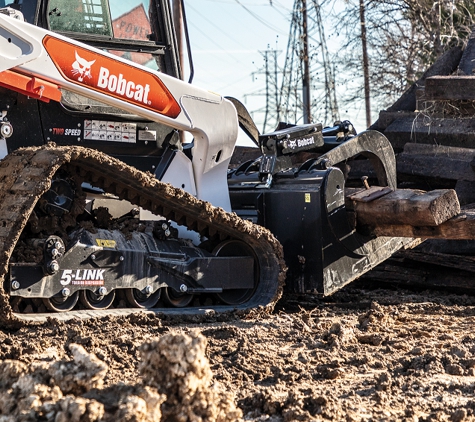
[84, 16]
[130, 21]
[123, 28]
[127, 21]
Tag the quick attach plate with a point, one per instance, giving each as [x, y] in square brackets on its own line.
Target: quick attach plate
[292, 139]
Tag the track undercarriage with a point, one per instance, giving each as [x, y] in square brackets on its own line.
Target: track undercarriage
[57, 256]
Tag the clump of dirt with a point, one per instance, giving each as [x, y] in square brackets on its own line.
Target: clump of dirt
[178, 368]
[29, 393]
[80, 375]
[176, 385]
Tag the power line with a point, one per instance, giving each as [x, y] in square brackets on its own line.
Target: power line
[255, 16]
[212, 23]
[213, 42]
[274, 3]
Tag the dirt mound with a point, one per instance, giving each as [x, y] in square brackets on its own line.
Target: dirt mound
[176, 385]
[362, 354]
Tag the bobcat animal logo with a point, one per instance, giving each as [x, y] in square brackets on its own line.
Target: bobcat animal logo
[82, 68]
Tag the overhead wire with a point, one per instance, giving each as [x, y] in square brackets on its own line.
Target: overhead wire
[222, 88]
[212, 23]
[234, 59]
[280, 6]
[206, 20]
[189, 6]
[257, 17]
[220, 47]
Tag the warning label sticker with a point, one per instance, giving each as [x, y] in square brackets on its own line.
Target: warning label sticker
[101, 130]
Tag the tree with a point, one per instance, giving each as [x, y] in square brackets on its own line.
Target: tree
[404, 37]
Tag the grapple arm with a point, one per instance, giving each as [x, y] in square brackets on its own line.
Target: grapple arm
[371, 144]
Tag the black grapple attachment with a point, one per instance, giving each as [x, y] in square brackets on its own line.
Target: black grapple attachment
[304, 205]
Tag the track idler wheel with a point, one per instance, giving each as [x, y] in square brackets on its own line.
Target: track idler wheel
[93, 300]
[176, 299]
[142, 298]
[61, 303]
[236, 248]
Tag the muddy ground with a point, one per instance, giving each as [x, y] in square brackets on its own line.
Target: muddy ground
[365, 354]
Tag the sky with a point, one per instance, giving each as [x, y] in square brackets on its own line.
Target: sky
[228, 39]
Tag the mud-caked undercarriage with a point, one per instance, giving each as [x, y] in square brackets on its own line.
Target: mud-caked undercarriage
[64, 254]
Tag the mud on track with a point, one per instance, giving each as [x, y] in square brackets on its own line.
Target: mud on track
[364, 354]
[27, 173]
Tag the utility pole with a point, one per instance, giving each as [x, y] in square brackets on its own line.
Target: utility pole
[365, 64]
[307, 116]
[272, 92]
[331, 105]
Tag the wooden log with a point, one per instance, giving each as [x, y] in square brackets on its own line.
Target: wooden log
[465, 191]
[458, 262]
[465, 154]
[466, 65]
[242, 154]
[437, 161]
[440, 130]
[445, 65]
[388, 273]
[405, 207]
[450, 88]
[386, 118]
[427, 276]
[460, 227]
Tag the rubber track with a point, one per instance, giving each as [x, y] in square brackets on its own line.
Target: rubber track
[26, 174]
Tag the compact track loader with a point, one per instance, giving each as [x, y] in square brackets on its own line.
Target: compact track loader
[104, 211]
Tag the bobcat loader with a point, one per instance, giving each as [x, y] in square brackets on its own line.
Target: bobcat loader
[104, 211]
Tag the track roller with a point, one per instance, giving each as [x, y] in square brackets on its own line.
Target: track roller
[92, 300]
[142, 299]
[61, 303]
[176, 299]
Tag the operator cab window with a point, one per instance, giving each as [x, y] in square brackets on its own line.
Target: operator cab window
[128, 29]
[84, 16]
[125, 24]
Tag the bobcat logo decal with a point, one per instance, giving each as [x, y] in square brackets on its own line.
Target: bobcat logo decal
[124, 83]
[82, 68]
